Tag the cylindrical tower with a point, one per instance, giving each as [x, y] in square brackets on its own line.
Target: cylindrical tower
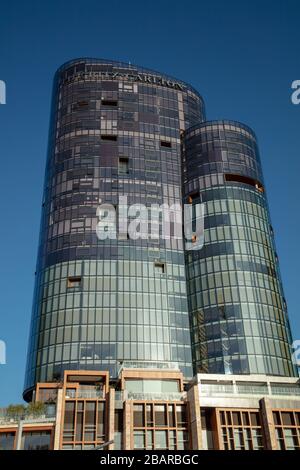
[115, 130]
[237, 308]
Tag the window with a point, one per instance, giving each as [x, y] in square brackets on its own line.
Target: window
[138, 416]
[287, 419]
[287, 426]
[291, 439]
[241, 430]
[149, 415]
[90, 421]
[123, 166]
[183, 441]
[236, 418]
[71, 393]
[79, 421]
[172, 440]
[36, 440]
[152, 386]
[101, 421]
[159, 267]
[7, 440]
[112, 138]
[135, 386]
[254, 419]
[161, 440]
[280, 439]
[118, 420]
[139, 440]
[109, 102]
[155, 426]
[257, 439]
[82, 104]
[68, 434]
[118, 429]
[150, 443]
[166, 144]
[181, 415]
[171, 416]
[47, 395]
[74, 281]
[84, 421]
[160, 416]
[193, 196]
[245, 180]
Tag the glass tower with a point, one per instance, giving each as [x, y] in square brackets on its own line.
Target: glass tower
[115, 130]
[238, 313]
[122, 130]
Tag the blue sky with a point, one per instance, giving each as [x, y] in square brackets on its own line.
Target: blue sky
[241, 56]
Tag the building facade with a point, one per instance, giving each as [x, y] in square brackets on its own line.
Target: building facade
[114, 130]
[145, 343]
[156, 409]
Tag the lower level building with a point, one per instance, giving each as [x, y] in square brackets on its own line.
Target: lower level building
[155, 409]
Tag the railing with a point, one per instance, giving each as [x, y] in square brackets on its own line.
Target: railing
[218, 389]
[148, 365]
[245, 389]
[27, 419]
[85, 394]
[163, 396]
[252, 389]
[41, 419]
[282, 390]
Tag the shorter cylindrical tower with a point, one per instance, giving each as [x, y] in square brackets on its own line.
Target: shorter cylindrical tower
[237, 308]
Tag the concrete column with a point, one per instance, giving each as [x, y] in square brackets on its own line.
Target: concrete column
[268, 423]
[216, 429]
[127, 425]
[195, 417]
[58, 419]
[19, 435]
[111, 417]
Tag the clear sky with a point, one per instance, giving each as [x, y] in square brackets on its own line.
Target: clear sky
[241, 55]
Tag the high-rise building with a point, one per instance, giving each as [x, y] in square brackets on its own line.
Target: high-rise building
[115, 130]
[238, 312]
[101, 304]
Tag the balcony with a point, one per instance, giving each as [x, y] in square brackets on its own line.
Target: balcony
[157, 396]
[252, 389]
[216, 389]
[263, 389]
[98, 394]
[47, 416]
[285, 390]
[148, 365]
